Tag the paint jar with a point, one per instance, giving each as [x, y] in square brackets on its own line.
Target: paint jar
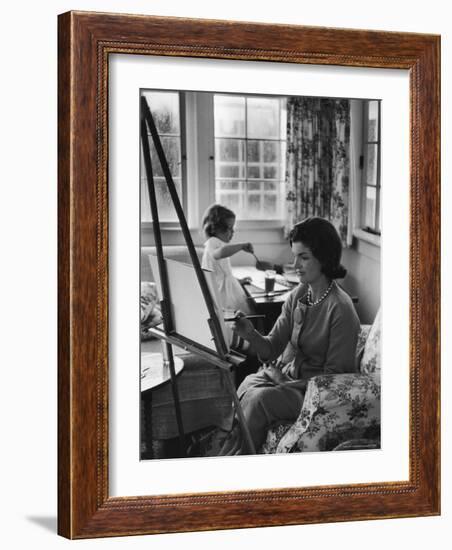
[270, 275]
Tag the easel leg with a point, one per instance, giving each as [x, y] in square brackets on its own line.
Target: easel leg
[168, 358]
[238, 408]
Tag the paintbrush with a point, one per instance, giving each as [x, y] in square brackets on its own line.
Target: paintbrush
[236, 318]
[262, 266]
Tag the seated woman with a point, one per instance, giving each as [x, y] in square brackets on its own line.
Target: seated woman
[316, 333]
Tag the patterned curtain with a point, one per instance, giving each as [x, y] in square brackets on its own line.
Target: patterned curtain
[318, 148]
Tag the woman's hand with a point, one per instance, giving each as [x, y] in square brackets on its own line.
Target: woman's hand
[248, 247]
[243, 327]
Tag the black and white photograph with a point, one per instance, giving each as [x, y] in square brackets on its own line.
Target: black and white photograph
[260, 255]
[225, 227]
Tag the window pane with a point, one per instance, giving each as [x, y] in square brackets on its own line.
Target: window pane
[166, 210]
[229, 150]
[229, 114]
[254, 185]
[263, 118]
[165, 110]
[225, 185]
[371, 164]
[164, 202]
[270, 172]
[271, 151]
[253, 171]
[171, 148]
[370, 206]
[228, 171]
[271, 185]
[253, 151]
[270, 206]
[372, 128]
[254, 205]
[232, 201]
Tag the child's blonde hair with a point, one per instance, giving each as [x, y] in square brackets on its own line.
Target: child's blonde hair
[215, 218]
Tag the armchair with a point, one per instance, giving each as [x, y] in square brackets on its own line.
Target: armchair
[340, 411]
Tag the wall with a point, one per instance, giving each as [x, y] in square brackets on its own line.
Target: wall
[363, 278]
[28, 297]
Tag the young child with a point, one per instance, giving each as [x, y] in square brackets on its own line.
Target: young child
[218, 225]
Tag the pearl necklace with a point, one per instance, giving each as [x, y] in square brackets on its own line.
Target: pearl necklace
[309, 301]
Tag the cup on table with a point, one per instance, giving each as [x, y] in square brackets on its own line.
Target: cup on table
[270, 275]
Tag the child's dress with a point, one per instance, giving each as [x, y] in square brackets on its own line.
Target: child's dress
[231, 293]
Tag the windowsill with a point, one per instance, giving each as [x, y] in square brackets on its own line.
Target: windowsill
[367, 237]
[260, 233]
[164, 226]
[241, 225]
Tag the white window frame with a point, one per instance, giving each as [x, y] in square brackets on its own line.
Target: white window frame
[376, 230]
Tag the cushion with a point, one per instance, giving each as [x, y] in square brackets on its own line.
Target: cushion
[371, 359]
[337, 408]
[150, 313]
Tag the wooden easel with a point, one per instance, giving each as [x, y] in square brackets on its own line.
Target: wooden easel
[223, 358]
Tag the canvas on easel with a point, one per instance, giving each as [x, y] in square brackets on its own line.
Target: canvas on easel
[188, 308]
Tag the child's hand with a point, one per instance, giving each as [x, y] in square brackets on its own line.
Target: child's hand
[248, 247]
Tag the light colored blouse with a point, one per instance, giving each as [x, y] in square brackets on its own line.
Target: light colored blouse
[231, 294]
[313, 340]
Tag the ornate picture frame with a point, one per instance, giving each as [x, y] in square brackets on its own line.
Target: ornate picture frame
[86, 40]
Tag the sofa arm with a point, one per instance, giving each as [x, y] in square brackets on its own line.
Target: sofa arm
[336, 407]
[362, 336]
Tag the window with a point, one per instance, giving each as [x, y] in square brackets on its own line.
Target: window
[250, 145]
[166, 111]
[371, 211]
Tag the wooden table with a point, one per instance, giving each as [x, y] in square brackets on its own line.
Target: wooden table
[154, 373]
[265, 303]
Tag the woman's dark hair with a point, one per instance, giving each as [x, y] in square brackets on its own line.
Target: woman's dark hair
[215, 218]
[321, 237]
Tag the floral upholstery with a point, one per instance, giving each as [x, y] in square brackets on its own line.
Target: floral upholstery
[362, 338]
[337, 408]
[371, 359]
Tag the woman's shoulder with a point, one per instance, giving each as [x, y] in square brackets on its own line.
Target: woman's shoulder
[341, 302]
[341, 295]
